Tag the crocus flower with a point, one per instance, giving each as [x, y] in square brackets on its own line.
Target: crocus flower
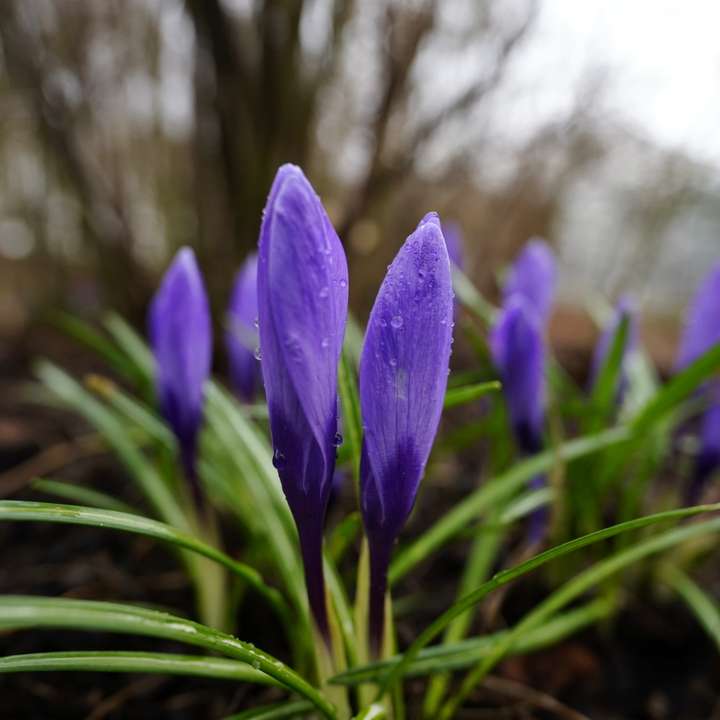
[302, 309]
[403, 376]
[517, 344]
[532, 275]
[518, 351]
[454, 242]
[625, 309]
[241, 337]
[702, 331]
[181, 338]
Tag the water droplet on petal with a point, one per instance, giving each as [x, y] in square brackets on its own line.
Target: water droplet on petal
[278, 459]
[338, 440]
[324, 291]
[258, 353]
[343, 282]
[256, 323]
[397, 321]
[393, 362]
[324, 342]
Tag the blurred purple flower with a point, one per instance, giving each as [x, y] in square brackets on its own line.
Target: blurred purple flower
[624, 308]
[454, 242]
[702, 332]
[302, 308]
[403, 377]
[241, 336]
[518, 351]
[533, 276]
[180, 332]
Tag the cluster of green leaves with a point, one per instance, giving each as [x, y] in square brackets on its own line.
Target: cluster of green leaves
[603, 471]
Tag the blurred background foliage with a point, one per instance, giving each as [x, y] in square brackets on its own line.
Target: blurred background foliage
[131, 127]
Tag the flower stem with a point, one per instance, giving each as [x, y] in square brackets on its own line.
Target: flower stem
[311, 549]
[379, 562]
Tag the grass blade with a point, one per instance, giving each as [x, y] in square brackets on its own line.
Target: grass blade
[496, 491]
[18, 510]
[136, 662]
[33, 612]
[468, 393]
[280, 711]
[455, 656]
[80, 494]
[350, 404]
[511, 574]
[702, 605]
[572, 589]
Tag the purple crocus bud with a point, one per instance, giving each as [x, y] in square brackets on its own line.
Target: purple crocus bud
[302, 308]
[241, 337]
[518, 350]
[533, 275]
[403, 377]
[625, 309]
[181, 338]
[454, 241]
[702, 331]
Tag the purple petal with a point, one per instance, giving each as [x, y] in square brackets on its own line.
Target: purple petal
[302, 309]
[454, 241]
[532, 276]
[181, 339]
[518, 351]
[702, 328]
[403, 376]
[241, 337]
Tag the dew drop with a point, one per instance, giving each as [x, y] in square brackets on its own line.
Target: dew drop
[397, 321]
[324, 342]
[256, 323]
[278, 459]
[383, 323]
[338, 440]
[443, 321]
[324, 291]
[343, 283]
[256, 664]
[393, 362]
[258, 353]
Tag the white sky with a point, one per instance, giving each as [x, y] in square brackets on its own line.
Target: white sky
[662, 59]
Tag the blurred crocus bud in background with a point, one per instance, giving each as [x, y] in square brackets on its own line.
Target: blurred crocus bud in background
[702, 332]
[302, 310]
[180, 332]
[403, 377]
[533, 276]
[517, 344]
[454, 242]
[241, 335]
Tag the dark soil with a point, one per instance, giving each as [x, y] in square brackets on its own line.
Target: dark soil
[652, 662]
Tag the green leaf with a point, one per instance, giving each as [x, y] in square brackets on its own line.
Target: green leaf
[116, 434]
[469, 296]
[343, 536]
[605, 390]
[136, 662]
[574, 588]
[33, 612]
[705, 608]
[455, 656]
[468, 393]
[279, 711]
[18, 510]
[88, 336]
[81, 494]
[133, 345]
[350, 403]
[511, 574]
[496, 491]
[677, 390]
